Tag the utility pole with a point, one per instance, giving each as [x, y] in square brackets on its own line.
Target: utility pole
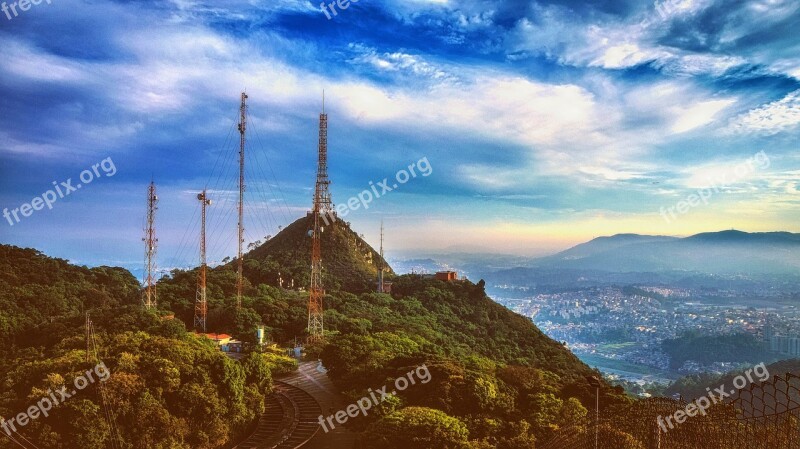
[201, 305]
[596, 416]
[322, 205]
[88, 338]
[151, 242]
[594, 381]
[380, 264]
[240, 261]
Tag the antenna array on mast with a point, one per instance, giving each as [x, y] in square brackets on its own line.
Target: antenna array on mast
[322, 205]
[242, 140]
[150, 295]
[380, 264]
[201, 305]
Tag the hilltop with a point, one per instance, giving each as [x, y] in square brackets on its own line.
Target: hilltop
[349, 262]
[488, 364]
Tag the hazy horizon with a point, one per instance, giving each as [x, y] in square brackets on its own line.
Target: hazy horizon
[544, 125]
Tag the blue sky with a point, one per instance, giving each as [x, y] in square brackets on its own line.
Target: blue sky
[546, 123]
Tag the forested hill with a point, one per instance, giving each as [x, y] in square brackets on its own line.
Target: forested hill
[35, 289]
[491, 369]
[495, 377]
[165, 387]
[349, 263]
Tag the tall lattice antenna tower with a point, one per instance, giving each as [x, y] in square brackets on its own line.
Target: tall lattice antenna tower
[322, 194]
[322, 205]
[380, 264]
[151, 242]
[242, 140]
[201, 305]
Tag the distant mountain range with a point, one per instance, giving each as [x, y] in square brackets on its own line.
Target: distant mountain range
[725, 259]
[721, 253]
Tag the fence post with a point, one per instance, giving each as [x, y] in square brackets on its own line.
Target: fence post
[656, 441]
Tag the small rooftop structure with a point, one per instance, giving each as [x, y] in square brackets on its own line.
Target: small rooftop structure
[446, 276]
[219, 339]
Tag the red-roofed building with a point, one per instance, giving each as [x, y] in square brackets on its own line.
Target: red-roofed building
[219, 339]
[446, 276]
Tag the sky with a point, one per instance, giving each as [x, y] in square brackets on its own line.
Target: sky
[543, 123]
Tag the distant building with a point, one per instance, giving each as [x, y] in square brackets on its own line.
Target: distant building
[225, 342]
[785, 345]
[219, 339]
[447, 276]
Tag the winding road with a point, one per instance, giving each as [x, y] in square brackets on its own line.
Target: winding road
[291, 416]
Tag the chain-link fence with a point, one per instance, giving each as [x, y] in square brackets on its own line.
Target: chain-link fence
[763, 416]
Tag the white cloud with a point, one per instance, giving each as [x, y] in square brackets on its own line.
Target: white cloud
[671, 9]
[699, 114]
[23, 63]
[400, 62]
[592, 129]
[772, 118]
[616, 43]
[620, 56]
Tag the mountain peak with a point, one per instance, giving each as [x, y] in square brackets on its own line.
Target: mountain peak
[348, 262]
[730, 234]
[729, 251]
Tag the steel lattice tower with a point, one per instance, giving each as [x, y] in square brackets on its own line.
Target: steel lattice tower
[380, 264]
[151, 242]
[201, 305]
[242, 140]
[322, 205]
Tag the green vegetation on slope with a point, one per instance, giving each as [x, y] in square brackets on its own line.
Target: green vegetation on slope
[350, 263]
[36, 289]
[697, 385]
[497, 381]
[491, 369]
[167, 389]
[707, 349]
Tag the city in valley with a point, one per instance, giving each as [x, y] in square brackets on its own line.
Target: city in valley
[623, 331]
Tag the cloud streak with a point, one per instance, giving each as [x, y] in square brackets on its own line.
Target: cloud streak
[545, 113]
